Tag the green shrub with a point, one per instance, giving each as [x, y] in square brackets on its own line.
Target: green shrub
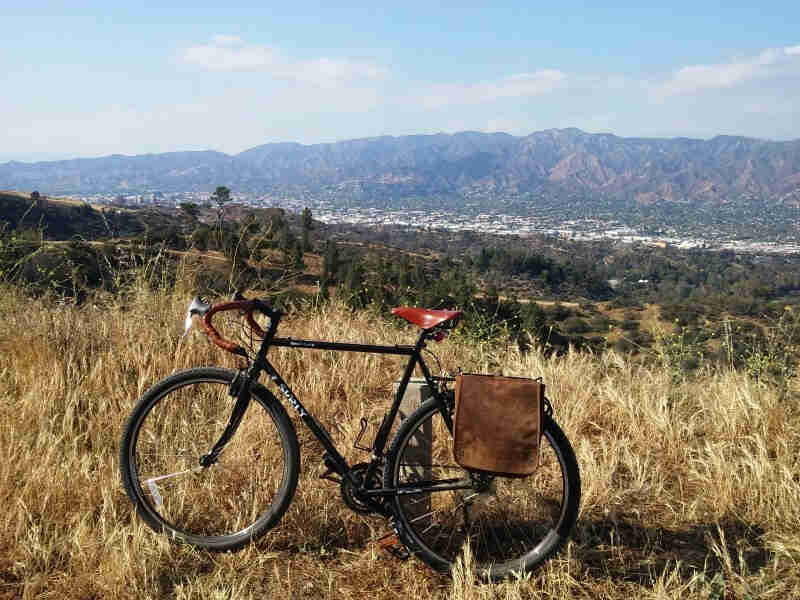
[600, 323]
[575, 325]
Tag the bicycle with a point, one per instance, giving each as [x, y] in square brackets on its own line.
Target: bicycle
[210, 457]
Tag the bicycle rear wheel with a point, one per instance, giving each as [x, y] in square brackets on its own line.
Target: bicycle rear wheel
[510, 524]
[229, 503]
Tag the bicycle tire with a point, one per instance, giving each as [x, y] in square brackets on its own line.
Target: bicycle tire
[230, 503]
[513, 527]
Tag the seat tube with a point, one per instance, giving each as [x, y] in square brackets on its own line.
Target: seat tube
[388, 419]
[436, 393]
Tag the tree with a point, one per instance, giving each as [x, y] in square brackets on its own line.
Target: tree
[38, 199]
[308, 225]
[492, 296]
[354, 285]
[200, 237]
[324, 294]
[484, 259]
[308, 222]
[286, 242]
[330, 262]
[191, 209]
[299, 264]
[221, 197]
[461, 289]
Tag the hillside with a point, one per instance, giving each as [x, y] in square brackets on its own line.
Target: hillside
[568, 167]
[64, 218]
[558, 292]
[690, 482]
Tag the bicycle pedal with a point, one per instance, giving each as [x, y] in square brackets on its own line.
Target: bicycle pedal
[329, 475]
[392, 544]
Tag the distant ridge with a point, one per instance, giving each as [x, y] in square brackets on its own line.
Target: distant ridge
[561, 165]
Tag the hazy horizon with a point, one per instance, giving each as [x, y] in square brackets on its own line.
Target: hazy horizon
[6, 157]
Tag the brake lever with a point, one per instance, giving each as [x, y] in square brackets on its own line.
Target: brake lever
[196, 307]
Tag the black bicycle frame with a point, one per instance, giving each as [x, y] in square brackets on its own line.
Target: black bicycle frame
[337, 462]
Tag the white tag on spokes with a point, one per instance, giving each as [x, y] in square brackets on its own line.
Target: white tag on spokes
[155, 493]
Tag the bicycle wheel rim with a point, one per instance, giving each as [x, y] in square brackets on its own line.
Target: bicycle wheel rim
[512, 527]
[220, 506]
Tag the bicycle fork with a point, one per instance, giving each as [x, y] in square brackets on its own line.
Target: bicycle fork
[239, 389]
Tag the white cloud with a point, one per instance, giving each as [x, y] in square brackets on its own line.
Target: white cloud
[230, 57]
[515, 86]
[525, 84]
[226, 40]
[231, 53]
[695, 78]
[335, 69]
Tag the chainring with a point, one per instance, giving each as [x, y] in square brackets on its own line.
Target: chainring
[350, 494]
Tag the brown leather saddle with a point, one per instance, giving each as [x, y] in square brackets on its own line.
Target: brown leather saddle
[426, 318]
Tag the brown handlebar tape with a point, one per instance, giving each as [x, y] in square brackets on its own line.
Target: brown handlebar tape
[244, 305]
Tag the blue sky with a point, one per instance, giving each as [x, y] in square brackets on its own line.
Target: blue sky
[89, 78]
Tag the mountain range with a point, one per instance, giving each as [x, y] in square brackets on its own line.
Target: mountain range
[556, 165]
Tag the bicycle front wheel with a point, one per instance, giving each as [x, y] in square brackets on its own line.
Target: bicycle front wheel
[510, 524]
[229, 503]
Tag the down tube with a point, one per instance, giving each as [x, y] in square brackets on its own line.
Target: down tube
[316, 428]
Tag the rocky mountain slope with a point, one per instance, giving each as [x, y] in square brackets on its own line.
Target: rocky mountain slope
[557, 164]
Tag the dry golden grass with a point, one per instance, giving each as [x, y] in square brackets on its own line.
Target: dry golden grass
[690, 490]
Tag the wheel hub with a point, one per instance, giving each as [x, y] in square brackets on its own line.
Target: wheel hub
[481, 482]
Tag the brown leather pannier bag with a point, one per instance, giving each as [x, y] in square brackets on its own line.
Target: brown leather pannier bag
[498, 424]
